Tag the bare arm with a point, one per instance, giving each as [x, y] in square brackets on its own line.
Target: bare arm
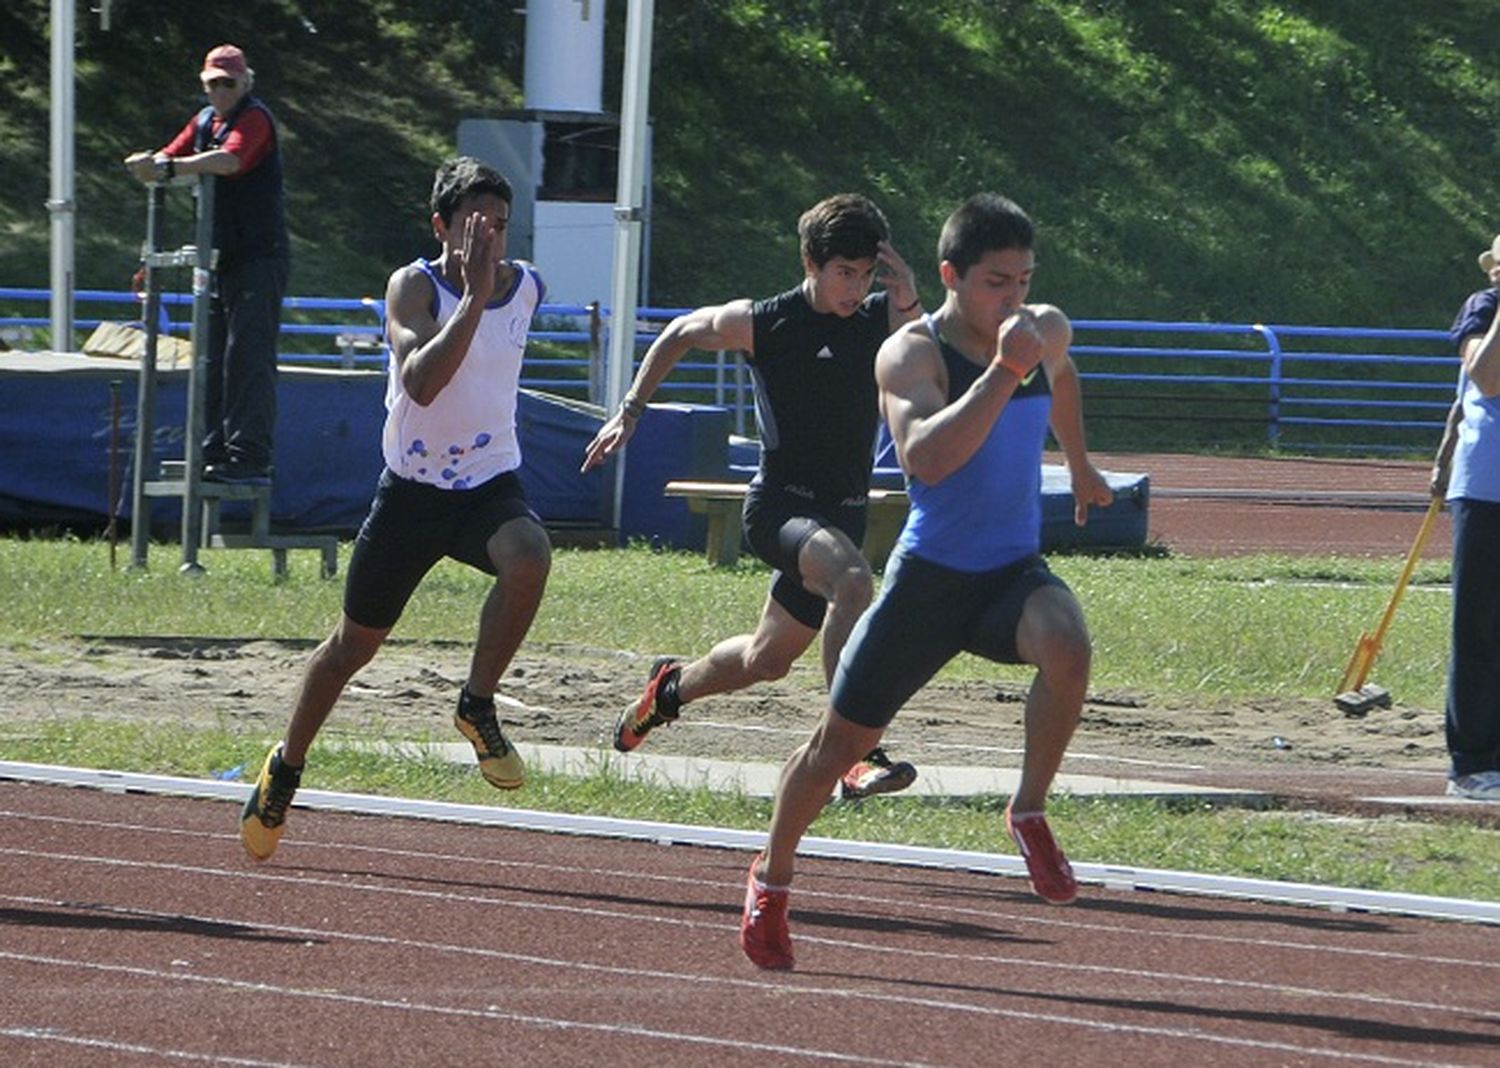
[1481, 356]
[429, 355]
[215, 161]
[1089, 486]
[1442, 464]
[717, 326]
[901, 284]
[934, 438]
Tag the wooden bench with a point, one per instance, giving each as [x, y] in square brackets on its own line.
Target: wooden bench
[721, 503]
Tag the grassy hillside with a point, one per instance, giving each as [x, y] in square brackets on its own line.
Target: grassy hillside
[1321, 161]
[368, 100]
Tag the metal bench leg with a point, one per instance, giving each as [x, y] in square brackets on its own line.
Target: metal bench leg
[260, 515]
[210, 520]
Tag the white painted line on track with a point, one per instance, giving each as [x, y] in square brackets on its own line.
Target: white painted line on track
[67, 1038]
[1112, 876]
[556, 1023]
[305, 881]
[1039, 917]
[1001, 960]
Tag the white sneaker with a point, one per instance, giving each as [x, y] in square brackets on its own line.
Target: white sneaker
[1481, 786]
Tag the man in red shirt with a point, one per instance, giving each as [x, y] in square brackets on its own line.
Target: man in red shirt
[234, 138]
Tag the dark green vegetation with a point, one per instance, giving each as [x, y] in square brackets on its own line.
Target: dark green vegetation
[1322, 161]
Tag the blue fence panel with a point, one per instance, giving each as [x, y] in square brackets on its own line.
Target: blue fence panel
[1275, 372]
[1355, 389]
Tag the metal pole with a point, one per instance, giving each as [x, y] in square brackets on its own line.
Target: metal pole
[629, 219]
[596, 365]
[60, 205]
[145, 385]
[192, 474]
[1273, 411]
[112, 494]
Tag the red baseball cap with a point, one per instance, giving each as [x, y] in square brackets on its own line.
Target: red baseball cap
[226, 61]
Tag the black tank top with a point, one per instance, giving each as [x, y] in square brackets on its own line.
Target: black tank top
[815, 396]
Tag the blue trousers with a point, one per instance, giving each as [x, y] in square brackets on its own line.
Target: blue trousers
[1473, 716]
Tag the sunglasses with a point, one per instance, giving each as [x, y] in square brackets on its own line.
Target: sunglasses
[220, 83]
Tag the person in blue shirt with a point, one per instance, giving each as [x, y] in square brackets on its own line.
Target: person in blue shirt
[969, 393]
[1472, 487]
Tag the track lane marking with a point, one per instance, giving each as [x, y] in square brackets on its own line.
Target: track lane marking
[50, 1034]
[1278, 989]
[1034, 919]
[1143, 1030]
[432, 1008]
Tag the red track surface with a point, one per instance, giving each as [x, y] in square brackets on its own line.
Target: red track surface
[1226, 506]
[136, 932]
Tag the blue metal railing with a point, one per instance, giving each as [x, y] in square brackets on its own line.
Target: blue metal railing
[1277, 382]
[1348, 388]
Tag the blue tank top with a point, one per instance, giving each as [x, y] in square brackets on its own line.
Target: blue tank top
[988, 513]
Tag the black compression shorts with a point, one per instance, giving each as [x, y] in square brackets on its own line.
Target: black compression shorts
[410, 527]
[778, 522]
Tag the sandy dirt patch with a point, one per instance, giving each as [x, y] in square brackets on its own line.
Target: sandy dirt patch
[570, 696]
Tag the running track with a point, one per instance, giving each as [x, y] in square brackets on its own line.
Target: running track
[1230, 506]
[136, 932]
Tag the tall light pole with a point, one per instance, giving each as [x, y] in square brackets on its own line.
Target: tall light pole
[629, 219]
[61, 205]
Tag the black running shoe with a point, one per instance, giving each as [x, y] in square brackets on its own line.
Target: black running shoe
[639, 718]
[876, 774]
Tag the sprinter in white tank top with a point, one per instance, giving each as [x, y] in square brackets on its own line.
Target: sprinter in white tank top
[456, 329]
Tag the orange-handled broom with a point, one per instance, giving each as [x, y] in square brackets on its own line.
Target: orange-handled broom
[1349, 698]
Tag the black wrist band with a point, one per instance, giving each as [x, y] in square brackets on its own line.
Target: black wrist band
[633, 407]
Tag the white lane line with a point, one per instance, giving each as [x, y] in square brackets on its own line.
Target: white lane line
[364, 887]
[491, 1013]
[1170, 979]
[554, 1023]
[53, 1035]
[1112, 876]
[1038, 918]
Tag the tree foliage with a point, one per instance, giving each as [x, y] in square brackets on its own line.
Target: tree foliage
[1244, 160]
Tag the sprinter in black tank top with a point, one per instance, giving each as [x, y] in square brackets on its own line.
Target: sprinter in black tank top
[816, 403]
[812, 350]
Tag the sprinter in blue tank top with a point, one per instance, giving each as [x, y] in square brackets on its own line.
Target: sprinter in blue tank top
[968, 393]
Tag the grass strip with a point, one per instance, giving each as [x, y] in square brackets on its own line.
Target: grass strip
[1177, 628]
